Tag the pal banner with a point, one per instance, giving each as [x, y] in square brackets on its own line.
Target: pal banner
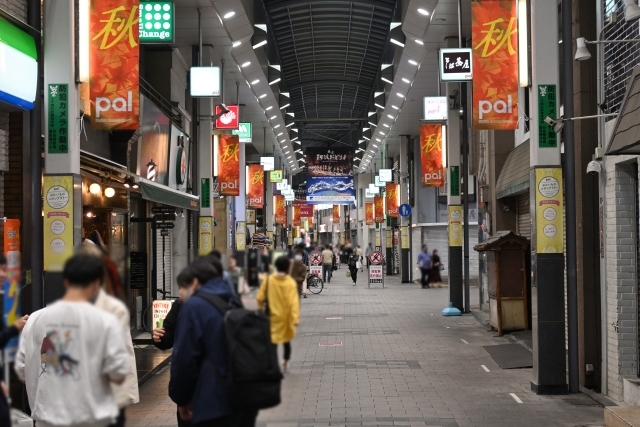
[114, 83]
[369, 213]
[431, 155]
[330, 175]
[296, 216]
[229, 165]
[281, 210]
[393, 199]
[495, 64]
[336, 214]
[378, 202]
[256, 185]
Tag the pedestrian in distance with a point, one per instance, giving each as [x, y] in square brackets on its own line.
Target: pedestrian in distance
[328, 261]
[368, 252]
[436, 267]
[424, 263]
[360, 257]
[298, 271]
[278, 295]
[70, 352]
[352, 262]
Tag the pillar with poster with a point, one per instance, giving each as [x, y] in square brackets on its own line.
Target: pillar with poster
[12, 292]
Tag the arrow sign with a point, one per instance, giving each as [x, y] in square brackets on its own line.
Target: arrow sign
[164, 225]
[404, 210]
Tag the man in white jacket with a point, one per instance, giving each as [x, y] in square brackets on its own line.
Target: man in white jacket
[71, 351]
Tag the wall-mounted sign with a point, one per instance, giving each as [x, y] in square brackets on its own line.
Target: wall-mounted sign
[230, 120]
[455, 225]
[243, 132]
[268, 163]
[379, 182]
[58, 221]
[275, 175]
[455, 180]
[157, 22]
[18, 66]
[547, 103]
[204, 81]
[368, 194]
[282, 185]
[386, 175]
[58, 118]
[205, 235]
[548, 211]
[436, 108]
[456, 65]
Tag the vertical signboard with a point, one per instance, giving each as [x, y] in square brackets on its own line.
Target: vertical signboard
[393, 199]
[57, 221]
[378, 202]
[369, 213]
[241, 236]
[205, 192]
[229, 165]
[114, 86]
[281, 210]
[336, 214]
[12, 288]
[205, 237]
[549, 203]
[547, 103]
[378, 240]
[157, 23]
[494, 40]
[404, 237]
[58, 123]
[256, 186]
[455, 181]
[296, 216]
[431, 155]
[455, 225]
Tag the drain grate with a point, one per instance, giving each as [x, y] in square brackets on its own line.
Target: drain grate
[510, 356]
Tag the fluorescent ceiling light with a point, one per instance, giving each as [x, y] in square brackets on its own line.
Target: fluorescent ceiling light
[390, 116]
[378, 139]
[400, 95]
[284, 106]
[262, 43]
[236, 44]
[256, 81]
[274, 82]
[263, 27]
[375, 145]
[371, 113]
[379, 106]
[399, 43]
[290, 124]
[263, 95]
[276, 126]
[373, 124]
[272, 117]
[394, 107]
[381, 133]
[386, 80]
[420, 42]
[287, 152]
[365, 129]
[366, 138]
[268, 108]
[246, 64]
[229, 15]
[385, 125]
[424, 12]
[280, 134]
[406, 80]
[412, 62]
[377, 94]
[289, 158]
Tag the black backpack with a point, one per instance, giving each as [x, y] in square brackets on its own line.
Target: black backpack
[353, 262]
[254, 373]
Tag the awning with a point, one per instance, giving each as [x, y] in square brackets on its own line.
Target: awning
[168, 196]
[625, 138]
[514, 177]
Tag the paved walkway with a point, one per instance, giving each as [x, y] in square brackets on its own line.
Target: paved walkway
[399, 362]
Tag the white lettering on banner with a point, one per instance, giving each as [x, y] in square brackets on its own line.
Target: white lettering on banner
[120, 104]
[255, 200]
[229, 185]
[486, 107]
[429, 176]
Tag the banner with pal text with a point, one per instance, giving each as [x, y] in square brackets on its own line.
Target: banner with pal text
[256, 186]
[369, 213]
[336, 214]
[229, 165]
[431, 155]
[296, 216]
[393, 199]
[378, 202]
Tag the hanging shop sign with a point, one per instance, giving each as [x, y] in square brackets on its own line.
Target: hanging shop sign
[275, 176]
[12, 289]
[241, 236]
[369, 213]
[296, 216]
[547, 107]
[393, 199]
[306, 211]
[431, 155]
[113, 38]
[178, 159]
[378, 182]
[153, 160]
[378, 202]
[58, 118]
[205, 235]
[255, 182]
[456, 65]
[57, 221]
[336, 214]
[404, 237]
[243, 132]
[368, 194]
[204, 82]
[230, 120]
[18, 66]
[386, 175]
[455, 225]
[281, 210]
[436, 108]
[268, 163]
[548, 211]
[330, 175]
[157, 22]
[495, 61]
[229, 165]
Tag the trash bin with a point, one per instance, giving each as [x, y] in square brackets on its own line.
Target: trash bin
[507, 272]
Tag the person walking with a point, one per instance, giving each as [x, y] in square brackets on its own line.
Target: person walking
[298, 271]
[368, 252]
[352, 262]
[70, 352]
[327, 264]
[424, 263]
[278, 293]
[200, 361]
[436, 267]
[360, 259]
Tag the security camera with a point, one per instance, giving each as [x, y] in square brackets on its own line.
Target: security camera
[548, 120]
[593, 168]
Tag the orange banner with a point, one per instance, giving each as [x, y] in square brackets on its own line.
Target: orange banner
[369, 213]
[336, 214]
[114, 82]
[256, 186]
[11, 235]
[296, 216]
[431, 155]
[310, 221]
[393, 199]
[378, 202]
[229, 165]
[494, 35]
[281, 210]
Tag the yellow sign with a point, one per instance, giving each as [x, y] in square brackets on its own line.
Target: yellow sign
[275, 176]
[404, 237]
[270, 237]
[378, 238]
[342, 238]
[549, 202]
[389, 237]
[205, 235]
[455, 226]
[58, 221]
[290, 239]
[241, 236]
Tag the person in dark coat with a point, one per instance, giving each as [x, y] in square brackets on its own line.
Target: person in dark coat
[436, 266]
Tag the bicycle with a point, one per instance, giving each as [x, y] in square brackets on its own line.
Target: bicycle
[314, 284]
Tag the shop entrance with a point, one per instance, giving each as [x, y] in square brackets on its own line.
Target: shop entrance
[143, 284]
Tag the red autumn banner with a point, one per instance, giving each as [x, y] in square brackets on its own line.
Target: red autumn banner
[229, 165]
[378, 202]
[336, 214]
[306, 211]
[431, 155]
[114, 56]
[494, 35]
[393, 199]
[296, 216]
[281, 210]
[256, 186]
[369, 213]
[310, 221]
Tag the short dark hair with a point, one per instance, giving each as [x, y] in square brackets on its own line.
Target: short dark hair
[203, 270]
[282, 264]
[216, 253]
[82, 270]
[216, 262]
[185, 277]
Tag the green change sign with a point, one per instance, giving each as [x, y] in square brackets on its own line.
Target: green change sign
[157, 22]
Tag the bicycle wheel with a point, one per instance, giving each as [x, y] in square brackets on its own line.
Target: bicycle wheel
[314, 284]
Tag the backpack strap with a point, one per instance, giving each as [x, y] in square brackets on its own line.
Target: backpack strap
[215, 301]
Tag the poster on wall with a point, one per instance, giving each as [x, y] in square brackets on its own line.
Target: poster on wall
[549, 207]
[336, 214]
[296, 216]
[393, 199]
[330, 175]
[378, 202]
[281, 210]
[205, 235]
[369, 213]
[455, 225]
[179, 160]
[494, 40]
[114, 85]
[57, 221]
[431, 155]
[153, 145]
[256, 186]
[229, 165]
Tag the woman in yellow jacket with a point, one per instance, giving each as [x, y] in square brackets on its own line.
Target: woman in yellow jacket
[280, 292]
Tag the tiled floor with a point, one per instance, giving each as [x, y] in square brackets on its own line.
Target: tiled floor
[400, 363]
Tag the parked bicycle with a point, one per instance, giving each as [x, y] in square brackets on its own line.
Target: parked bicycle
[315, 285]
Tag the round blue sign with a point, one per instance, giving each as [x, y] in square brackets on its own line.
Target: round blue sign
[404, 210]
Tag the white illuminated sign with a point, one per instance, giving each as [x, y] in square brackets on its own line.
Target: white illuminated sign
[205, 81]
[268, 163]
[436, 108]
[385, 175]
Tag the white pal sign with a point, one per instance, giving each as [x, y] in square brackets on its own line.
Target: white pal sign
[436, 108]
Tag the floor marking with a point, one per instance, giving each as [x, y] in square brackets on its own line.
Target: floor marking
[432, 314]
[331, 344]
[516, 398]
[464, 341]
[333, 318]
[485, 368]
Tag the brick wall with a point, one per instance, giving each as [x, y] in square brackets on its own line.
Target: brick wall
[17, 8]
